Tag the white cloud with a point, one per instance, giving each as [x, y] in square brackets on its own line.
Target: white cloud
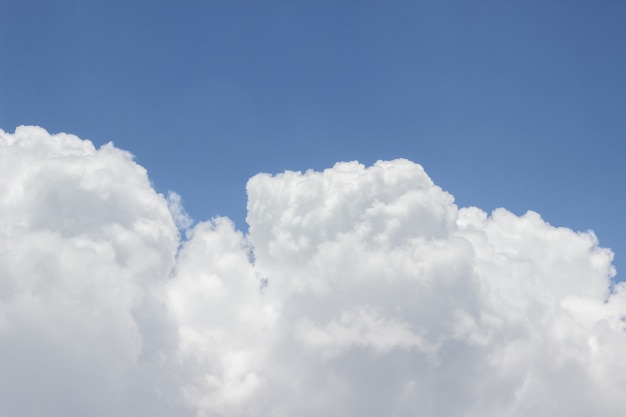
[358, 291]
[86, 247]
[181, 217]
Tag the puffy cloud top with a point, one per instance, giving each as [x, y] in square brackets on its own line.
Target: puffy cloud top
[357, 291]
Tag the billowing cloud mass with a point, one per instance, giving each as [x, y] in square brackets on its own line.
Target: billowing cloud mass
[356, 292]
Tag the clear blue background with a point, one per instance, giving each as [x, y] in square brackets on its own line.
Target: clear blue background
[520, 104]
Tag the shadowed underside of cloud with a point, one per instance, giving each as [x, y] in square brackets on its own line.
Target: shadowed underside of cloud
[357, 291]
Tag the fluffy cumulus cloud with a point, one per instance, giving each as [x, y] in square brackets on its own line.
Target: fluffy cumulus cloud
[357, 291]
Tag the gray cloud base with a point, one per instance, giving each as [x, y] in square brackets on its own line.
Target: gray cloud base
[357, 291]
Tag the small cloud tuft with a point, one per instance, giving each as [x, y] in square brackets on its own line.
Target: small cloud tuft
[181, 218]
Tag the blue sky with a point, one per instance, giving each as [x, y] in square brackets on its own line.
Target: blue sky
[506, 104]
